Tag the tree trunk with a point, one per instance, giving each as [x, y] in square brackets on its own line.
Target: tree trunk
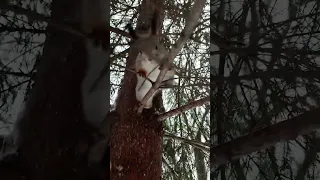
[54, 136]
[136, 146]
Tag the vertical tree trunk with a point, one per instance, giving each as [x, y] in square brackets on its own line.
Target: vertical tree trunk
[136, 148]
[54, 134]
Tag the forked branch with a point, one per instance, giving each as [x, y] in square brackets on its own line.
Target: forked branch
[191, 23]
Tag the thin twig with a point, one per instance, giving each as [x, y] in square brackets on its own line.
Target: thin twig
[184, 108]
[18, 74]
[14, 86]
[191, 23]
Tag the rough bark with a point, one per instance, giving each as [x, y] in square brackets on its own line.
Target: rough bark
[136, 145]
[55, 137]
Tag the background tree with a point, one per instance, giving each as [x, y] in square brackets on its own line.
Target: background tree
[264, 80]
[43, 59]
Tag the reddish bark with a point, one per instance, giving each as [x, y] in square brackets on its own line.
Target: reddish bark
[136, 144]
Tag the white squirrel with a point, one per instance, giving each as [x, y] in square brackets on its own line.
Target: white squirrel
[150, 43]
[149, 61]
[147, 74]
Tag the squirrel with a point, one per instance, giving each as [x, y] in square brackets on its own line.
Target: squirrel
[149, 61]
[147, 73]
[150, 43]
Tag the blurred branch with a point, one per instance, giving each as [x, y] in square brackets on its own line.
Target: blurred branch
[34, 15]
[278, 73]
[20, 29]
[14, 86]
[19, 74]
[309, 158]
[266, 137]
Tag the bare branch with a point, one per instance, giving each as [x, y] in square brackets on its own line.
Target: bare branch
[14, 86]
[18, 74]
[34, 15]
[196, 144]
[119, 31]
[264, 138]
[191, 23]
[222, 42]
[184, 108]
[20, 29]
[278, 73]
[41, 17]
[310, 157]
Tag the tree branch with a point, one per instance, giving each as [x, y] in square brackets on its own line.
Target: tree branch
[34, 15]
[20, 29]
[191, 23]
[184, 108]
[310, 157]
[18, 74]
[14, 86]
[264, 138]
[277, 73]
[196, 144]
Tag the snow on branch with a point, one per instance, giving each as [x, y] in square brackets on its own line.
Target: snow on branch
[191, 23]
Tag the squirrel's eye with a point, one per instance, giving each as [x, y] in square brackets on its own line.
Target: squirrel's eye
[156, 47]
